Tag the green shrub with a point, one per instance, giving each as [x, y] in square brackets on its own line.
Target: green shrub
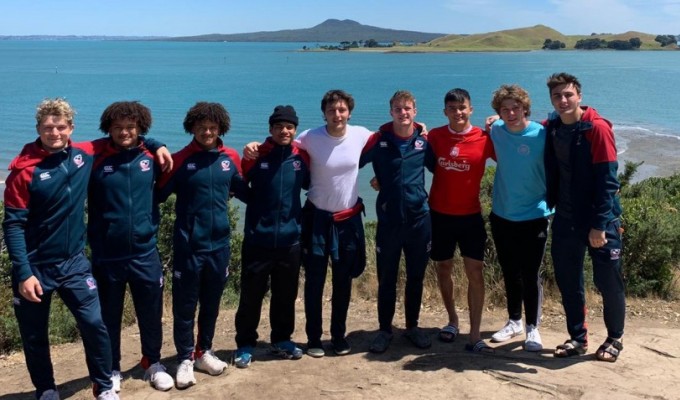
[651, 248]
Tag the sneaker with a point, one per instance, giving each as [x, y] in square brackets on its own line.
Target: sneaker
[315, 349]
[418, 337]
[510, 330]
[116, 378]
[381, 342]
[209, 363]
[49, 394]
[108, 395]
[158, 378]
[287, 349]
[533, 341]
[185, 375]
[243, 357]
[341, 346]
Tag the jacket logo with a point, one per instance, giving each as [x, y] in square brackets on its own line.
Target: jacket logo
[383, 144]
[108, 169]
[226, 165]
[523, 150]
[264, 165]
[455, 151]
[177, 275]
[297, 165]
[191, 166]
[91, 283]
[452, 165]
[16, 301]
[419, 144]
[45, 176]
[145, 165]
[614, 254]
[78, 160]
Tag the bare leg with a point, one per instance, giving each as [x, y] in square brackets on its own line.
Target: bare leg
[475, 295]
[445, 280]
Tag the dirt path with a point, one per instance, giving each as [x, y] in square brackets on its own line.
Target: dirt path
[649, 367]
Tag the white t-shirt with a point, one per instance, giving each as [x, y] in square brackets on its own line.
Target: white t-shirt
[334, 166]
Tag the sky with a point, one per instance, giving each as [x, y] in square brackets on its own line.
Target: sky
[197, 17]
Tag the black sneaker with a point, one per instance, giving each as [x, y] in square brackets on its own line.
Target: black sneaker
[315, 349]
[341, 346]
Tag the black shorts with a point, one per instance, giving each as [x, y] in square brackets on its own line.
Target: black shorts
[466, 231]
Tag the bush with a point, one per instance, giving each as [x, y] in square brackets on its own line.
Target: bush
[651, 250]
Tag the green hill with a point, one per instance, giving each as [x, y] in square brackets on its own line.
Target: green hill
[523, 39]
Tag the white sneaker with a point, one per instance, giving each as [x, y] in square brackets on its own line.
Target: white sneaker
[116, 377]
[158, 378]
[533, 341]
[510, 330]
[209, 363]
[49, 394]
[185, 374]
[108, 395]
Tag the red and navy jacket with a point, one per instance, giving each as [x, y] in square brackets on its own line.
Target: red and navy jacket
[276, 180]
[45, 205]
[399, 167]
[593, 185]
[203, 181]
[122, 215]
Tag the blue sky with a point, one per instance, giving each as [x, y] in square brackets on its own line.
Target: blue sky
[181, 18]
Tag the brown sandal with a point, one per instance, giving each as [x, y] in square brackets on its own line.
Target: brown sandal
[613, 347]
[570, 348]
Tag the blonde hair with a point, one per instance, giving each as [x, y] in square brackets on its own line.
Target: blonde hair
[58, 107]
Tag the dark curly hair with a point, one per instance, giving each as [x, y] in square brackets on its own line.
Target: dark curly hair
[214, 112]
[133, 110]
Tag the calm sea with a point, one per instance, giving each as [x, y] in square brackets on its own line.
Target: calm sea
[638, 91]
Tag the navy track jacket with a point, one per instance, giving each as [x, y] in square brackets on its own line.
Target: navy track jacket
[276, 180]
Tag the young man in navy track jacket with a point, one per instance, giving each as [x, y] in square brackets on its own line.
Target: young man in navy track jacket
[122, 227]
[204, 175]
[45, 234]
[271, 244]
[397, 152]
[581, 168]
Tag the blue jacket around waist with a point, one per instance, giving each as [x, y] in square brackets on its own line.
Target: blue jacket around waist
[593, 186]
[122, 215]
[45, 206]
[401, 174]
[203, 181]
[276, 180]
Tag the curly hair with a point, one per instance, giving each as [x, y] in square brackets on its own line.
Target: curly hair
[511, 92]
[214, 112]
[335, 95]
[133, 110]
[58, 107]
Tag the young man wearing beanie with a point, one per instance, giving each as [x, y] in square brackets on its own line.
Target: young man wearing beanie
[331, 217]
[271, 243]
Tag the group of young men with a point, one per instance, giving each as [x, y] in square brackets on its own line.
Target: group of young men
[567, 163]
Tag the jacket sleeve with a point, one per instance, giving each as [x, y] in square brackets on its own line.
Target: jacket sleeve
[152, 144]
[14, 224]
[369, 149]
[605, 169]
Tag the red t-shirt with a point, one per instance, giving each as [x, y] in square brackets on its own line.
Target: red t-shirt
[460, 161]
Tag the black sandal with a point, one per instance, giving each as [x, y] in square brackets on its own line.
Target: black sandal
[613, 347]
[570, 348]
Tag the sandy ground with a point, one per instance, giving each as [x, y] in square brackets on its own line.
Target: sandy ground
[648, 367]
